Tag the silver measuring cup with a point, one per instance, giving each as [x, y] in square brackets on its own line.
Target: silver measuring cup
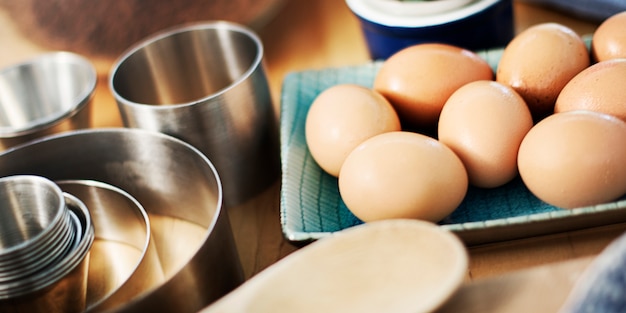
[205, 84]
[47, 94]
[44, 251]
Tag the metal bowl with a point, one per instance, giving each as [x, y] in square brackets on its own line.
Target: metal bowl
[176, 184]
[48, 94]
[124, 261]
[205, 83]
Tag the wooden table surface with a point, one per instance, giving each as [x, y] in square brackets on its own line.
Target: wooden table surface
[323, 33]
[319, 34]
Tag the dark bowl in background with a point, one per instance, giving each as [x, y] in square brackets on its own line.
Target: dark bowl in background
[104, 29]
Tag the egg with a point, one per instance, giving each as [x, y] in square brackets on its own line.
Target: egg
[575, 159]
[609, 39]
[402, 175]
[418, 80]
[484, 123]
[601, 87]
[539, 61]
[343, 116]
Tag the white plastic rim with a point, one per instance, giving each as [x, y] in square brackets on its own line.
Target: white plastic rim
[417, 7]
[409, 14]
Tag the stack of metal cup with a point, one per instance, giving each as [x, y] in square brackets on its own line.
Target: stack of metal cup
[45, 237]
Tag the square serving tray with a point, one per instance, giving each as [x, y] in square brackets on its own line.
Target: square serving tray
[311, 207]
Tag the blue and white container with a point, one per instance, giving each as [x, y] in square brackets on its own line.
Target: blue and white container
[390, 25]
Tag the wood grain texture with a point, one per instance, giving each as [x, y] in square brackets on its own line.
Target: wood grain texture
[318, 34]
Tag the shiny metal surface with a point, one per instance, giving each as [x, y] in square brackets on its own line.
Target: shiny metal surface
[174, 182]
[30, 206]
[205, 84]
[62, 285]
[35, 229]
[124, 261]
[47, 94]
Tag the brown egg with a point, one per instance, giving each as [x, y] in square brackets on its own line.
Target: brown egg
[601, 87]
[539, 61]
[484, 123]
[343, 116]
[609, 39]
[402, 175]
[575, 159]
[419, 79]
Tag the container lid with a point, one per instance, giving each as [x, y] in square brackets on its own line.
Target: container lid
[416, 13]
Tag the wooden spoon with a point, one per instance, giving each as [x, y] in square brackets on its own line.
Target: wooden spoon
[384, 266]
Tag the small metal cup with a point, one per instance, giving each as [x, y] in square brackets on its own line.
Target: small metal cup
[124, 261]
[48, 94]
[205, 84]
[38, 207]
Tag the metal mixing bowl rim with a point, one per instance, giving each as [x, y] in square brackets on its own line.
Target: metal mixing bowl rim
[219, 212]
